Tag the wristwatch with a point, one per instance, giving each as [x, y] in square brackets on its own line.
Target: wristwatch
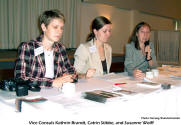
[149, 59]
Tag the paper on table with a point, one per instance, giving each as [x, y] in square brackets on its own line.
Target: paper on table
[47, 106]
[176, 77]
[132, 86]
[6, 107]
[7, 96]
[125, 92]
[33, 99]
[49, 92]
[174, 71]
[113, 76]
[91, 84]
[149, 84]
[166, 79]
[75, 104]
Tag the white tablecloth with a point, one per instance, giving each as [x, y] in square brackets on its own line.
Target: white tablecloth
[148, 103]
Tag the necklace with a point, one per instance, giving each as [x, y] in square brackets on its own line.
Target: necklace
[48, 53]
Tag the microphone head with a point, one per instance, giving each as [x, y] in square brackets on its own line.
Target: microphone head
[146, 43]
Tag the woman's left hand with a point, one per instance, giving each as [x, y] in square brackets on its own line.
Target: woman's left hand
[62, 79]
[90, 72]
[138, 74]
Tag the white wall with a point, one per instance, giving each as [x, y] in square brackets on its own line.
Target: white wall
[157, 22]
[123, 23]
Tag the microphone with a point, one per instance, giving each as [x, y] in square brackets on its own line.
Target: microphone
[146, 55]
[146, 44]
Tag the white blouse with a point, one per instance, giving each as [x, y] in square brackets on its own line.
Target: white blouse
[49, 64]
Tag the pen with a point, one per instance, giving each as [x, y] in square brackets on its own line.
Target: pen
[120, 83]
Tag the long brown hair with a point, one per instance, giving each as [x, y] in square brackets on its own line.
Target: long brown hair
[134, 37]
[97, 24]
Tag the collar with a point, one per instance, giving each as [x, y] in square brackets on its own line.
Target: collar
[38, 43]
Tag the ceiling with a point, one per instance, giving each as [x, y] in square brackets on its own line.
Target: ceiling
[165, 8]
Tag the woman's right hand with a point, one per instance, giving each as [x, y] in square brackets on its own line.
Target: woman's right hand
[138, 74]
[90, 72]
[63, 79]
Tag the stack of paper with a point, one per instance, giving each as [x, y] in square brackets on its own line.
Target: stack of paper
[149, 84]
[125, 92]
[112, 76]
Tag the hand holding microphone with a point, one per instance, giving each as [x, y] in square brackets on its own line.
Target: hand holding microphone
[148, 51]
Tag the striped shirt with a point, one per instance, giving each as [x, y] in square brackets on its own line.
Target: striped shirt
[32, 68]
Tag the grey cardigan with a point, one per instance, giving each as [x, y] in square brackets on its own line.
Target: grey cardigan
[134, 59]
